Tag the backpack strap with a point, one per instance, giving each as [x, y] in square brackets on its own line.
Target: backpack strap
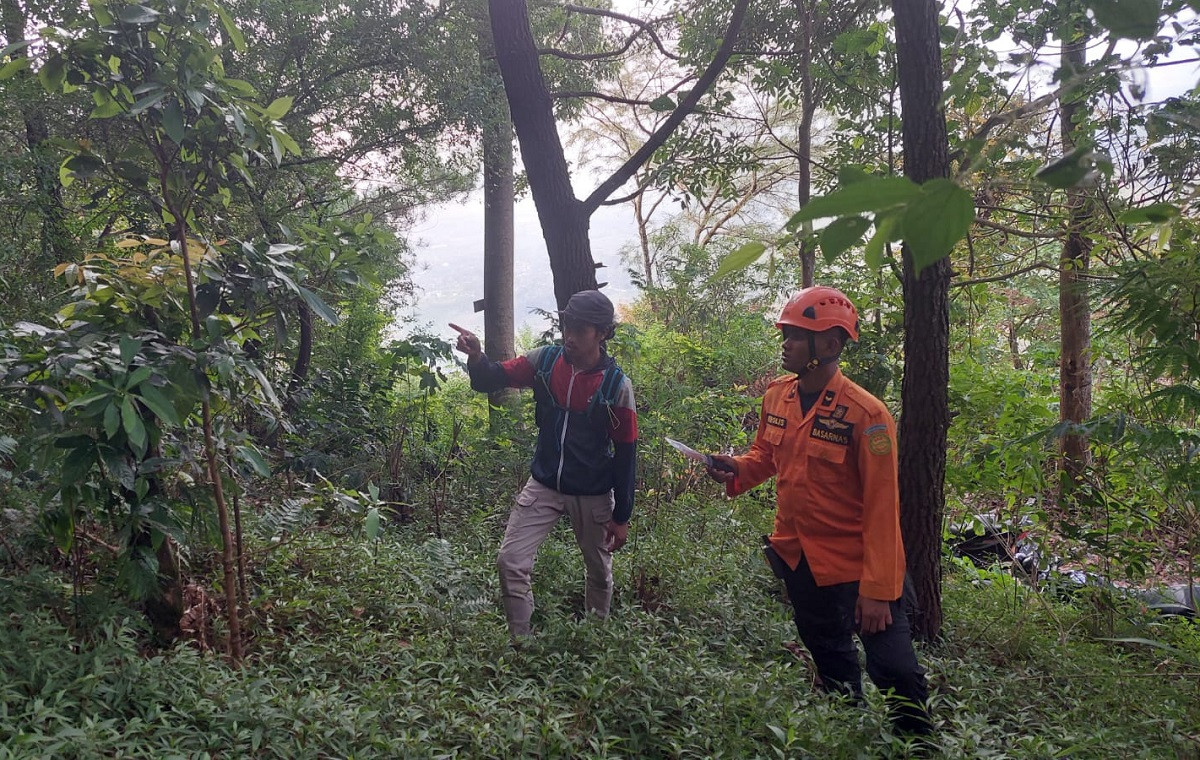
[610, 388]
[545, 366]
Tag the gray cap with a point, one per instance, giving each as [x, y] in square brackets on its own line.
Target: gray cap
[590, 306]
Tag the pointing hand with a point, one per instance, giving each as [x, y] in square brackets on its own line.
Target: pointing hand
[468, 343]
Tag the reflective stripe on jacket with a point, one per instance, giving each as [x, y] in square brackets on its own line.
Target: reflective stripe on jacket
[838, 499]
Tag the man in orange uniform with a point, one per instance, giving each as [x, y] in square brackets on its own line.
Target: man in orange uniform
[837, 546]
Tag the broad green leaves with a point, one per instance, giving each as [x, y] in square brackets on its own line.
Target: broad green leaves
[1129, 19]
[740, 259]
[841, 234]
[1155, 213]
[1079, 167]
[935, 221]
[930, 218]
[869, 195]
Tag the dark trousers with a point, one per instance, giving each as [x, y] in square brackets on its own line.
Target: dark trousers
[825, 621]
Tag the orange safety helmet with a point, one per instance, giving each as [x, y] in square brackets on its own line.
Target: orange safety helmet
[820, 308]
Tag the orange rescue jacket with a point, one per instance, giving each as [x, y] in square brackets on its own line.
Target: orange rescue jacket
[838, 500]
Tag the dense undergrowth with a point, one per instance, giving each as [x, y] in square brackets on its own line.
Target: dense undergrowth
[397, 648]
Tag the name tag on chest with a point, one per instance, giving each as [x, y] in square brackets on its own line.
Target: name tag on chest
[832, 430]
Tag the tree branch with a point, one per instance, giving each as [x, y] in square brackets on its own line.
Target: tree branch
[685, 107]
[563, 94]
[1001, 277]
[642, 25]
[1015, 232]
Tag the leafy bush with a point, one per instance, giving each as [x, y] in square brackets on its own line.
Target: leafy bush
[399, 649]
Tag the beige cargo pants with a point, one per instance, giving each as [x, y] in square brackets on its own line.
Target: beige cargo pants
[536, 511]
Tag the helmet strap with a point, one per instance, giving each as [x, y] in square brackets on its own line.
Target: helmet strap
[813, 360]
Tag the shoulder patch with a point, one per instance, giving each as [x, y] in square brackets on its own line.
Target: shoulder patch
[879, 442]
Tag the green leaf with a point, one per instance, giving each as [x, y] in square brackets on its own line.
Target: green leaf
[16, 47]
[129, 349]
[148, 102]
[884, 230]
[935, 221]
[372, 523]
[235, 34]
[263, 383]
[138, 15]
[1067, 171]
[134, 427]
[251, 456]
[869, 195]
[739, 259]
[139, 376]
[841, 234]
[9, 70]
[317, 305]
[112, 420]
[240, 86]
[77, 465]
[88, 399]
[62, 526]
[172, 121]
[100, 12]
[1139, 640]
[52, 73]
[287, 142]
[848, 174]
[106, 106]
[159, 404]
[279, 107]
[1155, 213]
[662, 103]
[1130, 19]
[83, 166]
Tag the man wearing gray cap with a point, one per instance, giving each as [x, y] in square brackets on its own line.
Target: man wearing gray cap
[586, 454]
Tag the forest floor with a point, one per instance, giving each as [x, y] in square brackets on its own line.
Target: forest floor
[397, 648]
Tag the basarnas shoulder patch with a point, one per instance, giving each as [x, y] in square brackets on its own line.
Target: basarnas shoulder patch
[878, 440]
[832, 430]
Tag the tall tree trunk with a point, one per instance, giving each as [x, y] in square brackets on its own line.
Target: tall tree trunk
[498, 199]
[1075, 367]
[56, 241]
[228, 563]
[304, 318]
[563, 221]
[925, 418]
[808, 109]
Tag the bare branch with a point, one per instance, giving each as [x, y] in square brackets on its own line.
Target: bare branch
[564, 94]
[1017, 232]
[1005, 276]
[643, 26]
[686, 106]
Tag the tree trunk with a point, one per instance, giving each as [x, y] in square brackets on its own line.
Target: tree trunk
[304, 317]
[564, 224]
[808, 109]
[1075, 368]
[925, 418]
[564, 219]
[228, 563]
[56, 240]
[498, 235]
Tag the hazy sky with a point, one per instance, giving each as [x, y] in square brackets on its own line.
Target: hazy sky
[450, 262]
